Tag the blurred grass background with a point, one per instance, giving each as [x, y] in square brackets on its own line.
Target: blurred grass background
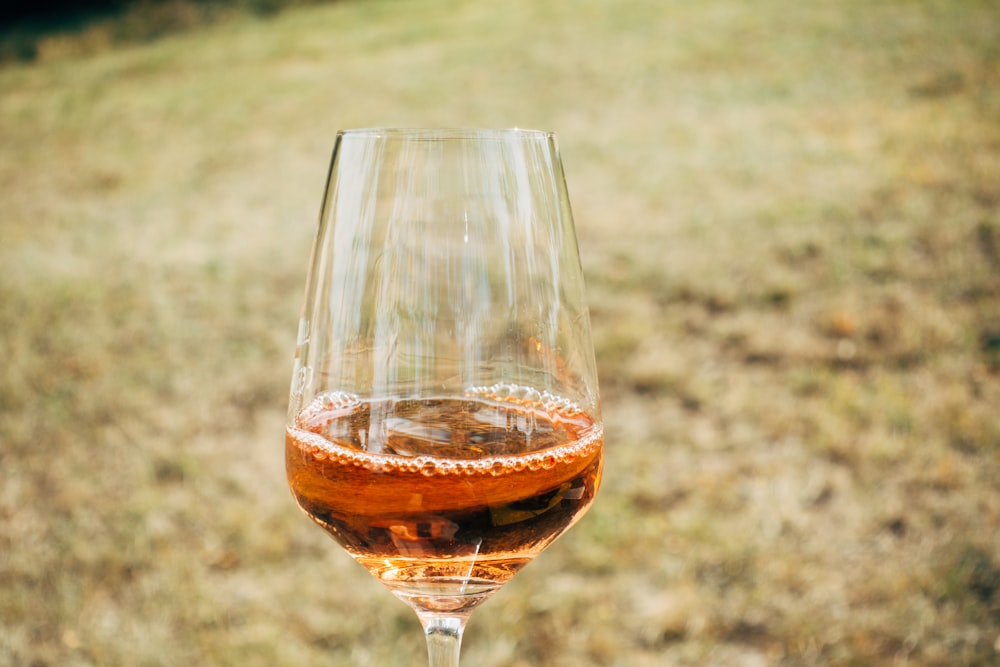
[789, 215]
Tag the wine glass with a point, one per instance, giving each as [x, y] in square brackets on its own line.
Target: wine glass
[444, 423]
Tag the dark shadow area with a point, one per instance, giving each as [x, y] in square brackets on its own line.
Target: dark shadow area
[55, 12]
[28, 30]
[23, 24]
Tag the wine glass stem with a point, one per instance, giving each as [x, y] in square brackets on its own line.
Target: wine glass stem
[444, 638]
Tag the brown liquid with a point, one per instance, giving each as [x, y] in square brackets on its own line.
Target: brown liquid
[444, 499]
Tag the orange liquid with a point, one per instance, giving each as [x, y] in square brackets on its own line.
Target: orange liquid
[446, 497]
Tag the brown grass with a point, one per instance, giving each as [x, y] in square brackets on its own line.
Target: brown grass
[790, 221]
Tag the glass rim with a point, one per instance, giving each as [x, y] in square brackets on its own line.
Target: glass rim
[438, 133]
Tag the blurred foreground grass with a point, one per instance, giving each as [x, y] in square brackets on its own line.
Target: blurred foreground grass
[790, 221]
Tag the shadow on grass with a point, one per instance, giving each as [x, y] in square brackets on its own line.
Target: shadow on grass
[36, 31]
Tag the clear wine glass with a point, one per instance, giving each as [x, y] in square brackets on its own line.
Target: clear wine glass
[444, 423]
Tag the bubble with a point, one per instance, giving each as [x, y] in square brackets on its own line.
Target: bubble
[337, 400]
[559, 437]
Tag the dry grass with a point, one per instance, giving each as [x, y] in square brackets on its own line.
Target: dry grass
[790, 219]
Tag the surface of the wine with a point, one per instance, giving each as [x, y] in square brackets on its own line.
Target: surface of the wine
[444, 499]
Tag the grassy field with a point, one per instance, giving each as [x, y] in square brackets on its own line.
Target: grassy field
[789, 215]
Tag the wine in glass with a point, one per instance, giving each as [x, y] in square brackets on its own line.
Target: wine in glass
[444, 422]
